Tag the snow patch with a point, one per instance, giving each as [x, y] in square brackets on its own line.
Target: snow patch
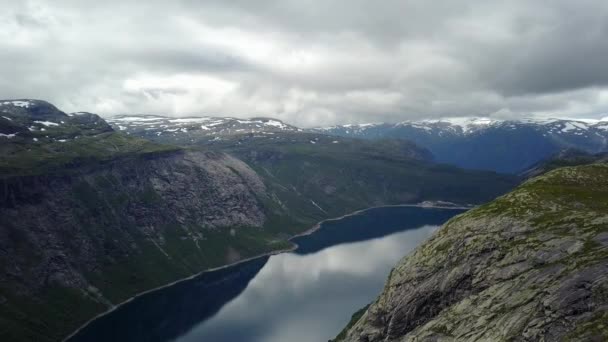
[24, 104]
[135, 118]
[275, 123]
[568, 127]
[47, 123]
[190, 120]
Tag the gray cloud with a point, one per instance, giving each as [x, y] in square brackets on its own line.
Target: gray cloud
[309, 62]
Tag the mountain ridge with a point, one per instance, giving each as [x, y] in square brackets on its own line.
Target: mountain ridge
[508, 146]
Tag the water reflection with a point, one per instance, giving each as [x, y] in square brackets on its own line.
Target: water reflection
[308, 295]
[371, 224]
[163, 315]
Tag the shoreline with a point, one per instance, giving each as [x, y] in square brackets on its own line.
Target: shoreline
[318, 225]
[295, 246]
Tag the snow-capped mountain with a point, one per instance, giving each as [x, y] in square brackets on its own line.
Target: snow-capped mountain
[35, 121]
[194, 128]
[486, 143]
[472, 142]
[468, 126]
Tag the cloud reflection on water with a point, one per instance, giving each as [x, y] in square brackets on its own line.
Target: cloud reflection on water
[309, 297]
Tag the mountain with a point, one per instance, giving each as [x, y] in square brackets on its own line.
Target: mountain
[488, 144]
[91, 216]
[194, 129]
[324, 168]
[37, 138]
[529, 266]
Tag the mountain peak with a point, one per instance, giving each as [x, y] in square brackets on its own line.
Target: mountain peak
[196, 128]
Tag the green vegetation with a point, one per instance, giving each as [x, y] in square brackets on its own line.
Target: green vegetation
[21, 158]
[23, 318]
[569, 189]
[555, 203]
[354, 174]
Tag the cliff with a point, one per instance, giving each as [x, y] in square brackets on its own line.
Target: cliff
[529, 266]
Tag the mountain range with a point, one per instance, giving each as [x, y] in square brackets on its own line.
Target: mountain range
[482, 143]
[94, 212]
[508, 146]
[91, 215]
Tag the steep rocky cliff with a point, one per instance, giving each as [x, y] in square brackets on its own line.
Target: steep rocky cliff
[529, 266]
[90, 217]
[92, 238]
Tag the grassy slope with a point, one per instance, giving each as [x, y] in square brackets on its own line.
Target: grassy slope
[20, 158]
[353, 174]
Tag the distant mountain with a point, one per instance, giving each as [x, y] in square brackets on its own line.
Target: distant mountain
[334, 170]
[483, 143]
[194, 129]
[529, 266]
[37, 138]
[475, 143]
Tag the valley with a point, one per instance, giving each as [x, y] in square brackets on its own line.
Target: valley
[91, 216]
[297, 171]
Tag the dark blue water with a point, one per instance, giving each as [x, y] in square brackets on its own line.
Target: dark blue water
[306, 295]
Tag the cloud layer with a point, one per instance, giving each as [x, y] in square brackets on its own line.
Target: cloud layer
[309, 62]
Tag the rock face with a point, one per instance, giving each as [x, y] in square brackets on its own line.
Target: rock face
[106, 233]
[131, 199]
[530, 266]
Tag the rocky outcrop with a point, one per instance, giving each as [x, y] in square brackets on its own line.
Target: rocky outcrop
[530, 266]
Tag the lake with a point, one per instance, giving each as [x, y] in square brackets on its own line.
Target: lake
[301, 296]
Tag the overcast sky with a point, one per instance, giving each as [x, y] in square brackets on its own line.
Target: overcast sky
[309, 62]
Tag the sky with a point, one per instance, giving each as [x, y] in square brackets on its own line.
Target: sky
[309, 63]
